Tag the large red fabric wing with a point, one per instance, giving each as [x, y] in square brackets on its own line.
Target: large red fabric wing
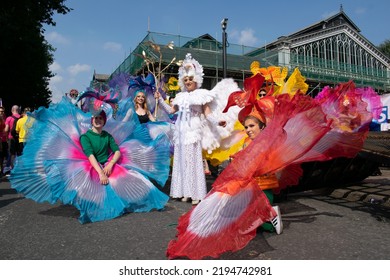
[227, 218]
[221, 223]
[297, 127]
[299, 132]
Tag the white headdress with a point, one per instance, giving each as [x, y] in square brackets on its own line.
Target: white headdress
[190, 68]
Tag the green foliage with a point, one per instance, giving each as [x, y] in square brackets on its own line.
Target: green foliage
[25, 54]
[385, 48]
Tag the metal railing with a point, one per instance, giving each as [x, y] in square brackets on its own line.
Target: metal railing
[209, 53]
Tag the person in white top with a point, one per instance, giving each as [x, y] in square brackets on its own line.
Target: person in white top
[192, 104]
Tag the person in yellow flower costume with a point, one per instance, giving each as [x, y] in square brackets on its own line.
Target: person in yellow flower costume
[274, 83]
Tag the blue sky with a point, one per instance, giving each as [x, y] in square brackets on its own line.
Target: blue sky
[98, 35]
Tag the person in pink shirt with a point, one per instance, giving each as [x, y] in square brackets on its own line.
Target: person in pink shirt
[12, 144]
[3, 137]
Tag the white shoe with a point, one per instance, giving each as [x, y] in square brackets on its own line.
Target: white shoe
[185, 199]
[195, 202]
[277, 221]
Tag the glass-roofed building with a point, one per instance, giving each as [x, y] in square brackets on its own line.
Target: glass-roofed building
[327, 52]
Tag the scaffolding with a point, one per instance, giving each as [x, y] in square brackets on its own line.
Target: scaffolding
[320, 63]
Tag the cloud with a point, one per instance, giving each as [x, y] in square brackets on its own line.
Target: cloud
[55, 67]
[74, 70]
[57, 38]
[54, 84]
[360, 11]
[112, 46]
[245, 37]
[63, 81]
[56, 79]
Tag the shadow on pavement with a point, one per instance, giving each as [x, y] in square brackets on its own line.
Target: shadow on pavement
[5, 202]
[67, 211]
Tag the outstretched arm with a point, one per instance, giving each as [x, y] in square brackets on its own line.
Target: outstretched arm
[168, 109]
[151, 117]
[211, 118]
[129, 113]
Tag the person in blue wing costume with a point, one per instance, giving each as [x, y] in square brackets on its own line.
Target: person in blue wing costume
[55, 168]
[97, 144]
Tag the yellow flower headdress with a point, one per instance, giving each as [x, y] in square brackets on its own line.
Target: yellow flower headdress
[275, 77]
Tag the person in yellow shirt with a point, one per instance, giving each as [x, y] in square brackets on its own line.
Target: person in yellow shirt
[22, 127]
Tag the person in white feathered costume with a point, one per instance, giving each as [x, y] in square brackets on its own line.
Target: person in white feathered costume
[200, 125]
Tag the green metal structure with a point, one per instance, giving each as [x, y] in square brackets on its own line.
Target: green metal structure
[327, 53]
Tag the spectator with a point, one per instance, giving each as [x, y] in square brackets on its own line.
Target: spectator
[3, 137]
[13, 145]
[22, 126]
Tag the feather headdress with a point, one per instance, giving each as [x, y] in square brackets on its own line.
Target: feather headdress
[190, 68]
[100, 98]
[140, 83]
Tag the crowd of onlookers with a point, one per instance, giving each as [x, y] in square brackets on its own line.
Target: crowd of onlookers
[13, 134]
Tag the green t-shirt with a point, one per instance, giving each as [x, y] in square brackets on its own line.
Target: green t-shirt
[99, 145]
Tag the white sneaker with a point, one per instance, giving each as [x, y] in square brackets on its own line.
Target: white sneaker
[277, 221]
[185, 199]
[195, 202]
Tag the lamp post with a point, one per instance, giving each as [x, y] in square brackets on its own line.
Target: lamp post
[224, 36]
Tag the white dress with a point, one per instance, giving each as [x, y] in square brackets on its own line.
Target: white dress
[188, 179]
[194, 133]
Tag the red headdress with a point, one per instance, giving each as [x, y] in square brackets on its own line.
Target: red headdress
[247, 100]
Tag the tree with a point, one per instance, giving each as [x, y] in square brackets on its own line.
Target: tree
[385, 48]
[25, 54]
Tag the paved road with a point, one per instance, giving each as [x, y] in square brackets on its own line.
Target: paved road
[319, 224]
